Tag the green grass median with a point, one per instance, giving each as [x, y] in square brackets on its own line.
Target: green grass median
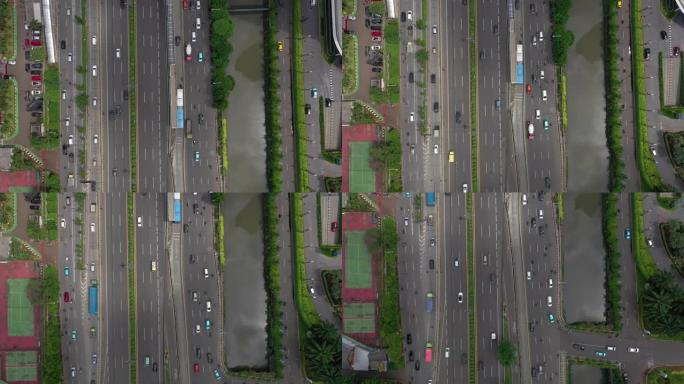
[132, 95]
[473, 57]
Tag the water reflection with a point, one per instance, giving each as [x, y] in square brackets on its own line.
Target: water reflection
[584, 259]
[243, 282]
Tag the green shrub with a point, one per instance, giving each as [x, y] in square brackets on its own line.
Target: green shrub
[613, 255]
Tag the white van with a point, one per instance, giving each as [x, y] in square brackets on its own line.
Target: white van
[493, 336]
[541, 214]
[549, 301]
[541, 74]
[206, 273]
[208, 305]
[524, 199]
[154, 265]
[541, 36]
[544, 97]
[550, 283]
[198, 23]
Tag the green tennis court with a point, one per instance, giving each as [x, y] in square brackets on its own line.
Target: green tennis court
[357, 261]
[361, 176]
[19, 309]
[21, 366]
[359, 318]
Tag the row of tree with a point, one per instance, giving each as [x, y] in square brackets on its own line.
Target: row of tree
[221, 49]
[613, 255]
[274, 139]
[614, 102]
[45, 292]
[663, 304]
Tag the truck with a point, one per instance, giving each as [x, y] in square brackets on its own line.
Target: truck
[173, 204]
[429, 301]
[188, 50]
[428, 352]
[179, 107]
[435, 131]
[92, 300]
[430, 199]
[188, 128]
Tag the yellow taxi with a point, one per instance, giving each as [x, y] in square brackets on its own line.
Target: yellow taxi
[452, 156]
[280, 46]
[619, 3]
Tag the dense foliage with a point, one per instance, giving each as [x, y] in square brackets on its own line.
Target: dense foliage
[613, 255]
[614, 102]
[506, 353]
[663, 302]
[272, 281]
[51, 346]
[561, 38]
[274, 141]
[382, 242]
[221, 49]
[323, 352]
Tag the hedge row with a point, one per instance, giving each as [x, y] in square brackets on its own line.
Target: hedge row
[274, 132]
[272, 281]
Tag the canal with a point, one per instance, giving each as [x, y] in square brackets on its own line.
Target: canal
[587, 151]
[245, 113]
[583, 259]
[243, 282]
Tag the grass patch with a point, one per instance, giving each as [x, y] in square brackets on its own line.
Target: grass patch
[51, 101]
[472, 53]
[650, 176]
[563, 96]
[350, 63]
[472, 325]
[132, 98]
[361, 114]
[392, 59]
[220, 246]
[8, 205]
[132, 321]
[668, 8]
[223, 144]
[348, 7]
[642, 256]
[665, 376]
[8, 31]
[8, 108]
[355, 203]
[300, 127]
[560, 209]
[667, 202]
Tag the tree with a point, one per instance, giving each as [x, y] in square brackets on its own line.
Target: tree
[675, 239]
[506, 353]
[422, 56]
[217, 198]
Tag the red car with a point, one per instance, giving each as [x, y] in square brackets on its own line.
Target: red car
[36, 43]
[186, 4]
[529, 88]
[676, 51]
[195, 367]
[188, 57]
[36, 78]
[376, 33]
[66, 296]
[333, 226]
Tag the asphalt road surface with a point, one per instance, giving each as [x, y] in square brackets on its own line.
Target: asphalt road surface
[152, 96]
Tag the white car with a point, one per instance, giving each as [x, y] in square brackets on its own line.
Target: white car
[375, 47]
[197, 5]
[529, 275]
[198, 329]
[95, 139]
[550, 283]
[118, 53]
[541, 74]
[406, 221]
[649, 242]
[92, 267]
[544, 95]
[139, 221]
[456, 263]
[193, 37]
[633, 349]
[62, 223]
[67, 121]
[524, 199]
[70, 140]
[92, 227]
[434, 29]
[69, 57]
[409, 15]
[465, 188]
[94, 70]
[460, 297]
[63, 94]
[412, 117]
[94, 39]
[94, 101]
[376, 39]
[537, 114]
[446, 352]
[436, 149]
